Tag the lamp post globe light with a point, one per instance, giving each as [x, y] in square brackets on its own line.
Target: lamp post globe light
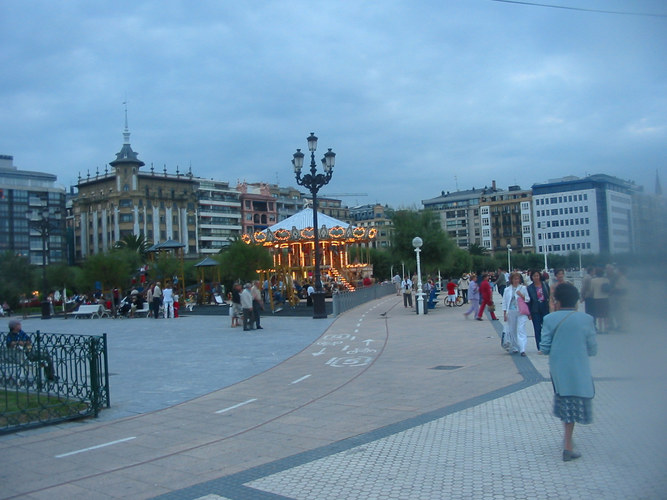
[417, 242]
[313, 181]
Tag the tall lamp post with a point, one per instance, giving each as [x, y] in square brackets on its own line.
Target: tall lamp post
[546, 265]
[509, 258]
[41, 222]
[313, 181]
[417, 242]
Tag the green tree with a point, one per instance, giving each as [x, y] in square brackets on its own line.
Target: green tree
[476, 249]
[240, 261]
[16, 278]
[165, 267]
[62, 275]
[111, 269]
[382, 261]
[437, 249]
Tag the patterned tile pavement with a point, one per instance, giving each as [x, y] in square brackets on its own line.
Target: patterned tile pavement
[503, 445]
[369, 417]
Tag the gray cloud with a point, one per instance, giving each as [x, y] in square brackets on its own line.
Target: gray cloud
[414, 97]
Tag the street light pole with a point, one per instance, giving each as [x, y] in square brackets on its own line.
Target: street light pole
[313, 182]
[417, 242]
[43, 225]
[546, 266]
[509, 258]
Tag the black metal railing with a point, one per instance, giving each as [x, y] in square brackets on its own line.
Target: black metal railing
[56, 377]
[344, 301]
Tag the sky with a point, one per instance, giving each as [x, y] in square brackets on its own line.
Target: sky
[415, 97]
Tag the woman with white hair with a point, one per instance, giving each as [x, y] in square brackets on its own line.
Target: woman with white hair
[516, 315]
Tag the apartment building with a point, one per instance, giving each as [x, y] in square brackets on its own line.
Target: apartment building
[460, 214]
[218, 220]
[506, 219]
[258, 207]
[377, 216]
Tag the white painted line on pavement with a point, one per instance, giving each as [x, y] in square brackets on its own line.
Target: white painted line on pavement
[95, 447]
[300, 379]
[236, 406]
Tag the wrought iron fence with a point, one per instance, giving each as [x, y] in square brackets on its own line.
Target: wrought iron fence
[345, 301]
[56, 377]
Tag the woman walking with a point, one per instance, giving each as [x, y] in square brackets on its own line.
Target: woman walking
[515, 316]
[473, 296]
[539, 295]
[568, 337]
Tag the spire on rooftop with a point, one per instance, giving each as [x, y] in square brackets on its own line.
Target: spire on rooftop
[126, 154]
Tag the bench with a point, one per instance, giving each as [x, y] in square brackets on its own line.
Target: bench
[145, 309]
[16, 369]
[91, 311]
[433, 299]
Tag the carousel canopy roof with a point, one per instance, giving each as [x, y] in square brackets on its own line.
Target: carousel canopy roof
[299, 227]
[304, 219]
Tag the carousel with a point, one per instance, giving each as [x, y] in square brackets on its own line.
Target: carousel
[344, 252]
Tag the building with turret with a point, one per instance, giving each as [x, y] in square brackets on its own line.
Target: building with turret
[127, 200]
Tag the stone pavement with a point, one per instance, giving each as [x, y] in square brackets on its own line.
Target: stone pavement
[384, 404]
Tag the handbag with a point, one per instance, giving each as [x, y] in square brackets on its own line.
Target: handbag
[491, 307]
[523, 307]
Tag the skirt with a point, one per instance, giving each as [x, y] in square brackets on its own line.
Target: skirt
[573, 409]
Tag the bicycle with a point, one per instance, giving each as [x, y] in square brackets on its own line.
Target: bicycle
[458, 301]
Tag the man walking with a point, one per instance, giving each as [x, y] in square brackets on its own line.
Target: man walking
[257, 303]
[406, 286]
[157, 299]
[246, 304]
[501, 281]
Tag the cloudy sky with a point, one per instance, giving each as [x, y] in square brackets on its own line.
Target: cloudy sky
[414, 96]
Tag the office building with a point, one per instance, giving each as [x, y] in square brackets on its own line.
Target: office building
[32, 214]
[591, 215]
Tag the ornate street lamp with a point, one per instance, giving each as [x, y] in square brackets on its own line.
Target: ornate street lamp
[313, 181]
[42, 223]
[417, 242]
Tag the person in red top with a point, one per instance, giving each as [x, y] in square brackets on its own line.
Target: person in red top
[485, 297]
[451, 293]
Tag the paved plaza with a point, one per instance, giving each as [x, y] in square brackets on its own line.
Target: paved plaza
[378, 403]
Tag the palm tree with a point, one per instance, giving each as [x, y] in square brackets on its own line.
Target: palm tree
[476, 249]
[136, 243]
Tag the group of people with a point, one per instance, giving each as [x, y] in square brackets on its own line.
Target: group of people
[553, 309]
[162, 302]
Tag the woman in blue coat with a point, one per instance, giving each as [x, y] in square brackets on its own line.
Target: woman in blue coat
[568, 337]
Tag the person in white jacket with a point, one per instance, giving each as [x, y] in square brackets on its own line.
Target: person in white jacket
[515, 321]
[168, 301]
